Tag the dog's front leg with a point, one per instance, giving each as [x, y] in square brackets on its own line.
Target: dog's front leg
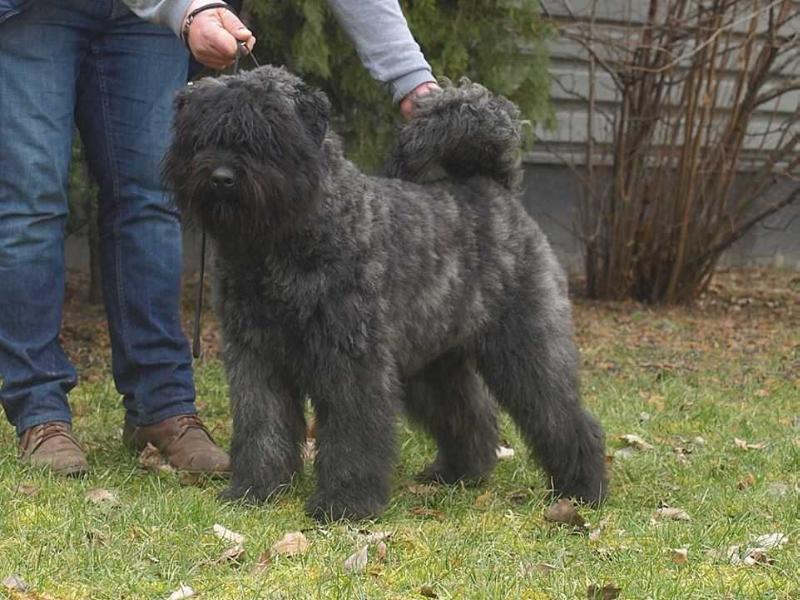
[356, 414]
[268, 427]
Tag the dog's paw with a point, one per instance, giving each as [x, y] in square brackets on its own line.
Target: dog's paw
[437, 473]
[252, 494]
[592, 494]
[238, 494]
[325, 509]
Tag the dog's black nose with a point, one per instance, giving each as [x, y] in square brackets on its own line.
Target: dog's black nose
[222, 178]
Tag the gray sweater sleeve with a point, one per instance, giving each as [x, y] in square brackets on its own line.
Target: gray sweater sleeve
[377, 27]
[384, 43]
[163, 12]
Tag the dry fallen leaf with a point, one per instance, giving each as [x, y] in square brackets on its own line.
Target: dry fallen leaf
[291, 544]
[264, 561]
[422, 489]
[483, 500]
[544, 568]
[96, 537]
[357, 562]
[672, 514]
[634, 441]
[504, 453]
[421, 511]
[27, 489]
[428, 592]
[564, 511]
[151, 459]
[756, 556]
[15, 583]
[740, 443]
[745, 482]
[182, 592]
[102, 497]
[518, 497]
[227, 535]
[624, 453]
[680, 556]
[232, 554]
[373, 537]
[381, 550]
[777, 489]
[729, 555]
[771, 540]
[595, 534]
[682, 454]
[607, 592]
[699, 441]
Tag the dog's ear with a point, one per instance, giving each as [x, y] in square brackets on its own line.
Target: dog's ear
[314, 109]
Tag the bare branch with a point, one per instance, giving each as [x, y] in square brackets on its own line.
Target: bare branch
[777, 92]
[742, 229]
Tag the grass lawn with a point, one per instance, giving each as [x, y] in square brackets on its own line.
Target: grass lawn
[686, 381]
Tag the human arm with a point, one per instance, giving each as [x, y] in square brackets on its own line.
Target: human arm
[377, 27]
[213, 35]
[384, 43]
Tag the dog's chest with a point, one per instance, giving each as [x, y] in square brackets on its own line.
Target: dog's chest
[289, 309]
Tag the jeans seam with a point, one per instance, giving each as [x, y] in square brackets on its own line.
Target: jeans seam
[116, 199]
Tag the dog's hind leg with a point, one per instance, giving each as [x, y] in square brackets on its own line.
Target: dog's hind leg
[356, 411]
[529, 362]
[268, 427]
[449, 400]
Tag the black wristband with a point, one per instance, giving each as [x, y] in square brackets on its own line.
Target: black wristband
[187, 23]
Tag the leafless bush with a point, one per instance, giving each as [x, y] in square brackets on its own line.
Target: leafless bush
[691, 149]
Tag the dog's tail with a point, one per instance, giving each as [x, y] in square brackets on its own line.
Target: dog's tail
[462, 130]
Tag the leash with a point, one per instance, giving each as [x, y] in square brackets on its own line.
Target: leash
[241, 50]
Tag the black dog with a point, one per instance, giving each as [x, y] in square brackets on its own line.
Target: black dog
[366, 293]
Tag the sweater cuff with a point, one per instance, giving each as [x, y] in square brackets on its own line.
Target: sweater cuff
[403, 86]
[174, 13]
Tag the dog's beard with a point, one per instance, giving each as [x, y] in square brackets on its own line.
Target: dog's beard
[271, 192]
[263, 206]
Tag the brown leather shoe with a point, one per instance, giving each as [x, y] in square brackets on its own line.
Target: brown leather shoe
[183, 441]
[52, 446]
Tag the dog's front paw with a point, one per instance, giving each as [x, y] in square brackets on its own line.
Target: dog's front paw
[591, 492]
[436, 472]
[238, 494]
[325, 508]
[250, 494]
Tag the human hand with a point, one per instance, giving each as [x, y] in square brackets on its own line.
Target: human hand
[409, 103]
[214, 35]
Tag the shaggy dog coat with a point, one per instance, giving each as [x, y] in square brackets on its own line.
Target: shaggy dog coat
[423, 290]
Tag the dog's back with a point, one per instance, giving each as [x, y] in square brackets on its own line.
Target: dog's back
[459, 132]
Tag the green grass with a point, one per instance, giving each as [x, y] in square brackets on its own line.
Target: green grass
[715, 374]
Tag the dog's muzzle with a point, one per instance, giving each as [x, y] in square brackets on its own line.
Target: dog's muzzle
[223, 181]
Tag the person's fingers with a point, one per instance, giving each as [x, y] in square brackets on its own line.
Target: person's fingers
[235, 27]
[214, 37]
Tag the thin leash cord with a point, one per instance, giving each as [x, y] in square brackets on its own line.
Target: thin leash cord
[198, 309]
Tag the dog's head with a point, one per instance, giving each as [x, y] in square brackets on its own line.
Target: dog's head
[246, 154]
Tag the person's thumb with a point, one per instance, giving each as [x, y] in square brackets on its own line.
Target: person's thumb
[235, 27]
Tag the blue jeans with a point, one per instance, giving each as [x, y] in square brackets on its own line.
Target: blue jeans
[94, 64]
